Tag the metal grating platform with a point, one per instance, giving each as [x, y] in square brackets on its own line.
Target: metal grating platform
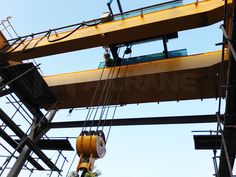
[28, 85]
[207, 142]
[54, 144]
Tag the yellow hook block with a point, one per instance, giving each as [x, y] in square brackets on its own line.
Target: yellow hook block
[90, 146]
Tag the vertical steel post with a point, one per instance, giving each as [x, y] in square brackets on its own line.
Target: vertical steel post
[165, 46]
[120, 7]
[18, 165]
[215, 163]
[230, 111]
[25, 153]
[231, 86]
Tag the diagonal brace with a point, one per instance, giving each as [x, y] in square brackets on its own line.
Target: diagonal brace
[14, 144]
[28, 141]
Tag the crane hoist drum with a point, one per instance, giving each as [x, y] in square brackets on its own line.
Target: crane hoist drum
[90, 146]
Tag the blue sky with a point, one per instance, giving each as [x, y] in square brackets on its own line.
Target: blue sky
[140, 151]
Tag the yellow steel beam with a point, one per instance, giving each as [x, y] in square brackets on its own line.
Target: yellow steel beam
[182, 78]
[3, 41]
[136, 28]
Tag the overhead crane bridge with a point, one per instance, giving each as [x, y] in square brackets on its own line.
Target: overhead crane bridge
[199, 76]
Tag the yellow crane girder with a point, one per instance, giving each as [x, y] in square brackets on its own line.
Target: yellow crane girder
[142, 27]
[180, 78]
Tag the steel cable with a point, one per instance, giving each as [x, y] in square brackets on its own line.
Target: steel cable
[67, 35]
[90, 111]
[107, 88]
[92, 102]
[114, 112]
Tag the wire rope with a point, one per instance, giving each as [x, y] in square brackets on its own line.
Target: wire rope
[115, 109]
[91, 109]
[25, 49]
[17, 44]
[109, 95]
[107, 88]
[89, 113]
[7, 47]
[93, 99]
[67, 35]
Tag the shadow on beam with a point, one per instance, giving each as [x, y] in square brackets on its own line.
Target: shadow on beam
[140, 121]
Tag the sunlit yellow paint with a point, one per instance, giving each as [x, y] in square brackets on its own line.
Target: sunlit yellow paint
[180, 78]
[148, 26]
